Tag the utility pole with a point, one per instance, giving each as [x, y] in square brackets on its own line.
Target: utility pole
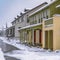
[6, 32]
[2, 30]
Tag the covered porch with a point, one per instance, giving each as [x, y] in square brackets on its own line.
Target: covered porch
[32, 34]
[48, 33]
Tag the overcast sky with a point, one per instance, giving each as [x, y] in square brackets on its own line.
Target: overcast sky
[11, 8]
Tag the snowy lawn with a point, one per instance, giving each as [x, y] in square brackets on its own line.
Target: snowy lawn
[31, 53]
[1, 55]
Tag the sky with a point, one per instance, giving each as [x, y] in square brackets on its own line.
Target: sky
[9, 9]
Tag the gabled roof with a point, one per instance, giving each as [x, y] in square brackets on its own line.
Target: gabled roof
[42, 8]
[30, 10]
[11, 27]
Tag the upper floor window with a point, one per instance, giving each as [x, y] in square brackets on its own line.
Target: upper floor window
[18, 20]
[27, 20]
[31, 20]
[22, 18]
[39, 18]
[43, 14]
[19, 27]
[15, 21]
[47, 13]
[10, 31]
[35, 19]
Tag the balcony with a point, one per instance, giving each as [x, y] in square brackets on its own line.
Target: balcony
[48, 22]
[33, 22]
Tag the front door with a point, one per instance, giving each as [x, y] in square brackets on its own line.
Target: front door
[50, 40]
[46, 39]
[34, 36]
[40, 36]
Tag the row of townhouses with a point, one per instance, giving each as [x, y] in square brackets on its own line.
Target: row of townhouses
[39, 26]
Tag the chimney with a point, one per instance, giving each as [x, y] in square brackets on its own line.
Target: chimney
[17, 15]
[15, 18]
[21, 13]
[26, 10]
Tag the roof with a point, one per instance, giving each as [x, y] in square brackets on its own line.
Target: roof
[30, 10]
[42, 8]
[30, 26]
[10, 27]
[58, 6]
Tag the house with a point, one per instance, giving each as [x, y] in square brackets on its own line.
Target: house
[44, 26]
[22, 21]
[10, 32]
[25, 33]
[40, 25]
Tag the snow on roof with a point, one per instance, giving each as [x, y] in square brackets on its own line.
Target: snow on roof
[58, 6]
[42, 8]
[30, 26]
[1, 55]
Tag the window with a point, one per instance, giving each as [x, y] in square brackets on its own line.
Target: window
[19, 27]
[22, 18]
[35, 20]
[10, 31]
[47, 16]
[15, 21]
[47, 13]
[27, 20]
[39, 18]
[34, 17]
[43, 15]
[18, 20]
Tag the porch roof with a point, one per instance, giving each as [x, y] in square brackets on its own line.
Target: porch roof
[30, 26]
[58, 6]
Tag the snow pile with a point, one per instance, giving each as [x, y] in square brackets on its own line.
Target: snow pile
[1, 55]
[33, 56]
[12, 42]
[34, 53]
[30, 53]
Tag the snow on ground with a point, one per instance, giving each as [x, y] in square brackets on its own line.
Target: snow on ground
[31, 53]
[1, 55]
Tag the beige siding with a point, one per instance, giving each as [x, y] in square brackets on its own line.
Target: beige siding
[56, 36]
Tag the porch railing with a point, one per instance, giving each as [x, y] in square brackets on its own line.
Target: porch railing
[48, 22]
